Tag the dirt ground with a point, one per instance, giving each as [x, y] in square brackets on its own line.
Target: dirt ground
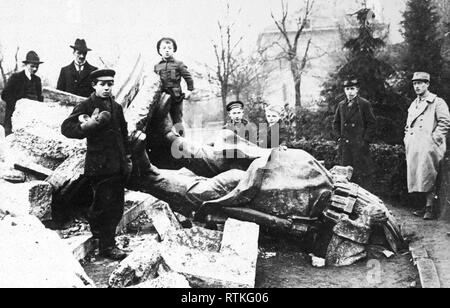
[432, 235]
[294, 270]
[283, 265]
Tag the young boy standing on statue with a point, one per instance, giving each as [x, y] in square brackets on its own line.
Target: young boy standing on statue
[108, 158]
[171, 71]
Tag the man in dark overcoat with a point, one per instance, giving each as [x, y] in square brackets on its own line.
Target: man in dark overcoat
[24, 84]
[355, 124]
[73, 78]
[108, 158]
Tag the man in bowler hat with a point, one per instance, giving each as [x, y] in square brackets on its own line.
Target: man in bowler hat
[24, 84]
[355, 124]
[74, 78]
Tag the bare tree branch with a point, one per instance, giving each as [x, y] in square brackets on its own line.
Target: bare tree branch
[225, 52]
[305, 56]
[308, 9]
[290, 48]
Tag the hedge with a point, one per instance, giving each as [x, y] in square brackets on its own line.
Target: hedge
[389, 160]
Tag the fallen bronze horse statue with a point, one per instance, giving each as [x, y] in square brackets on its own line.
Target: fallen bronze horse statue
[284, 191]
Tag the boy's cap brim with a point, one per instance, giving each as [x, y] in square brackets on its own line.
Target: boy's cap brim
[105, 78]
[234, 105]
[103, 74]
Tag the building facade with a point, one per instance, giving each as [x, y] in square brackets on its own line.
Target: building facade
[327, 28]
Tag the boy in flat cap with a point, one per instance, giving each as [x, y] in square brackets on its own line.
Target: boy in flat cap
[355, 124]
[108, 158]
[24, 84]
[74, 78]
[171, 71]
[425, 142]
[238, 124]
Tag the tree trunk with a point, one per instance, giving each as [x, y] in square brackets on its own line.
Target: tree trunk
[297, 84]
[224, 105]
[298, 94]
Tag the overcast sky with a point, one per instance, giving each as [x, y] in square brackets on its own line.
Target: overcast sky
[124, 27]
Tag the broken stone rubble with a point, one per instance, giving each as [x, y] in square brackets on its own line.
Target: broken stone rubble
[33, 256]
[165, 280]
[33, 197]
[37, 133]
[206, 258]
[174, 237]
[352, 236]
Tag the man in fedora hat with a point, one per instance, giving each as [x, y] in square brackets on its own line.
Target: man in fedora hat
[24, 84]
[426, 128]
[74, 78]
[354, 124]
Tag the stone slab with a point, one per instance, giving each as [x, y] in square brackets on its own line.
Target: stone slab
[38, 171]
[429, 277]
[136, 202]
[81, 245]
[33, 197]
[234, 266]
[163, 219]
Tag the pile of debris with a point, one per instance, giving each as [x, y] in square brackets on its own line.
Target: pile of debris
[46, 169]
[190, 257]
[39, 165]
[31, 255]
[32, 172]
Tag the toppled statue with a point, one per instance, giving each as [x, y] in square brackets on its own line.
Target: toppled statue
[285, 191]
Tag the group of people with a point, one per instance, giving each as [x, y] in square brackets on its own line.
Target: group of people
[108, 165]
[426, 129]
[75, 78]
[355, 126]
[269, 134]
[100, 119]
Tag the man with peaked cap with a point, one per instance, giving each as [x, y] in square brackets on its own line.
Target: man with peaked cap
[425, 142]
[24, 84]
[108, 165]
[74, 78]
[354, 124]
[238, 124]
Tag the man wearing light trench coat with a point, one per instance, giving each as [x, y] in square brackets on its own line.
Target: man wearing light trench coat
[425, 142]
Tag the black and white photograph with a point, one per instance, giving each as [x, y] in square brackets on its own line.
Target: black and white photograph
[224, 148]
